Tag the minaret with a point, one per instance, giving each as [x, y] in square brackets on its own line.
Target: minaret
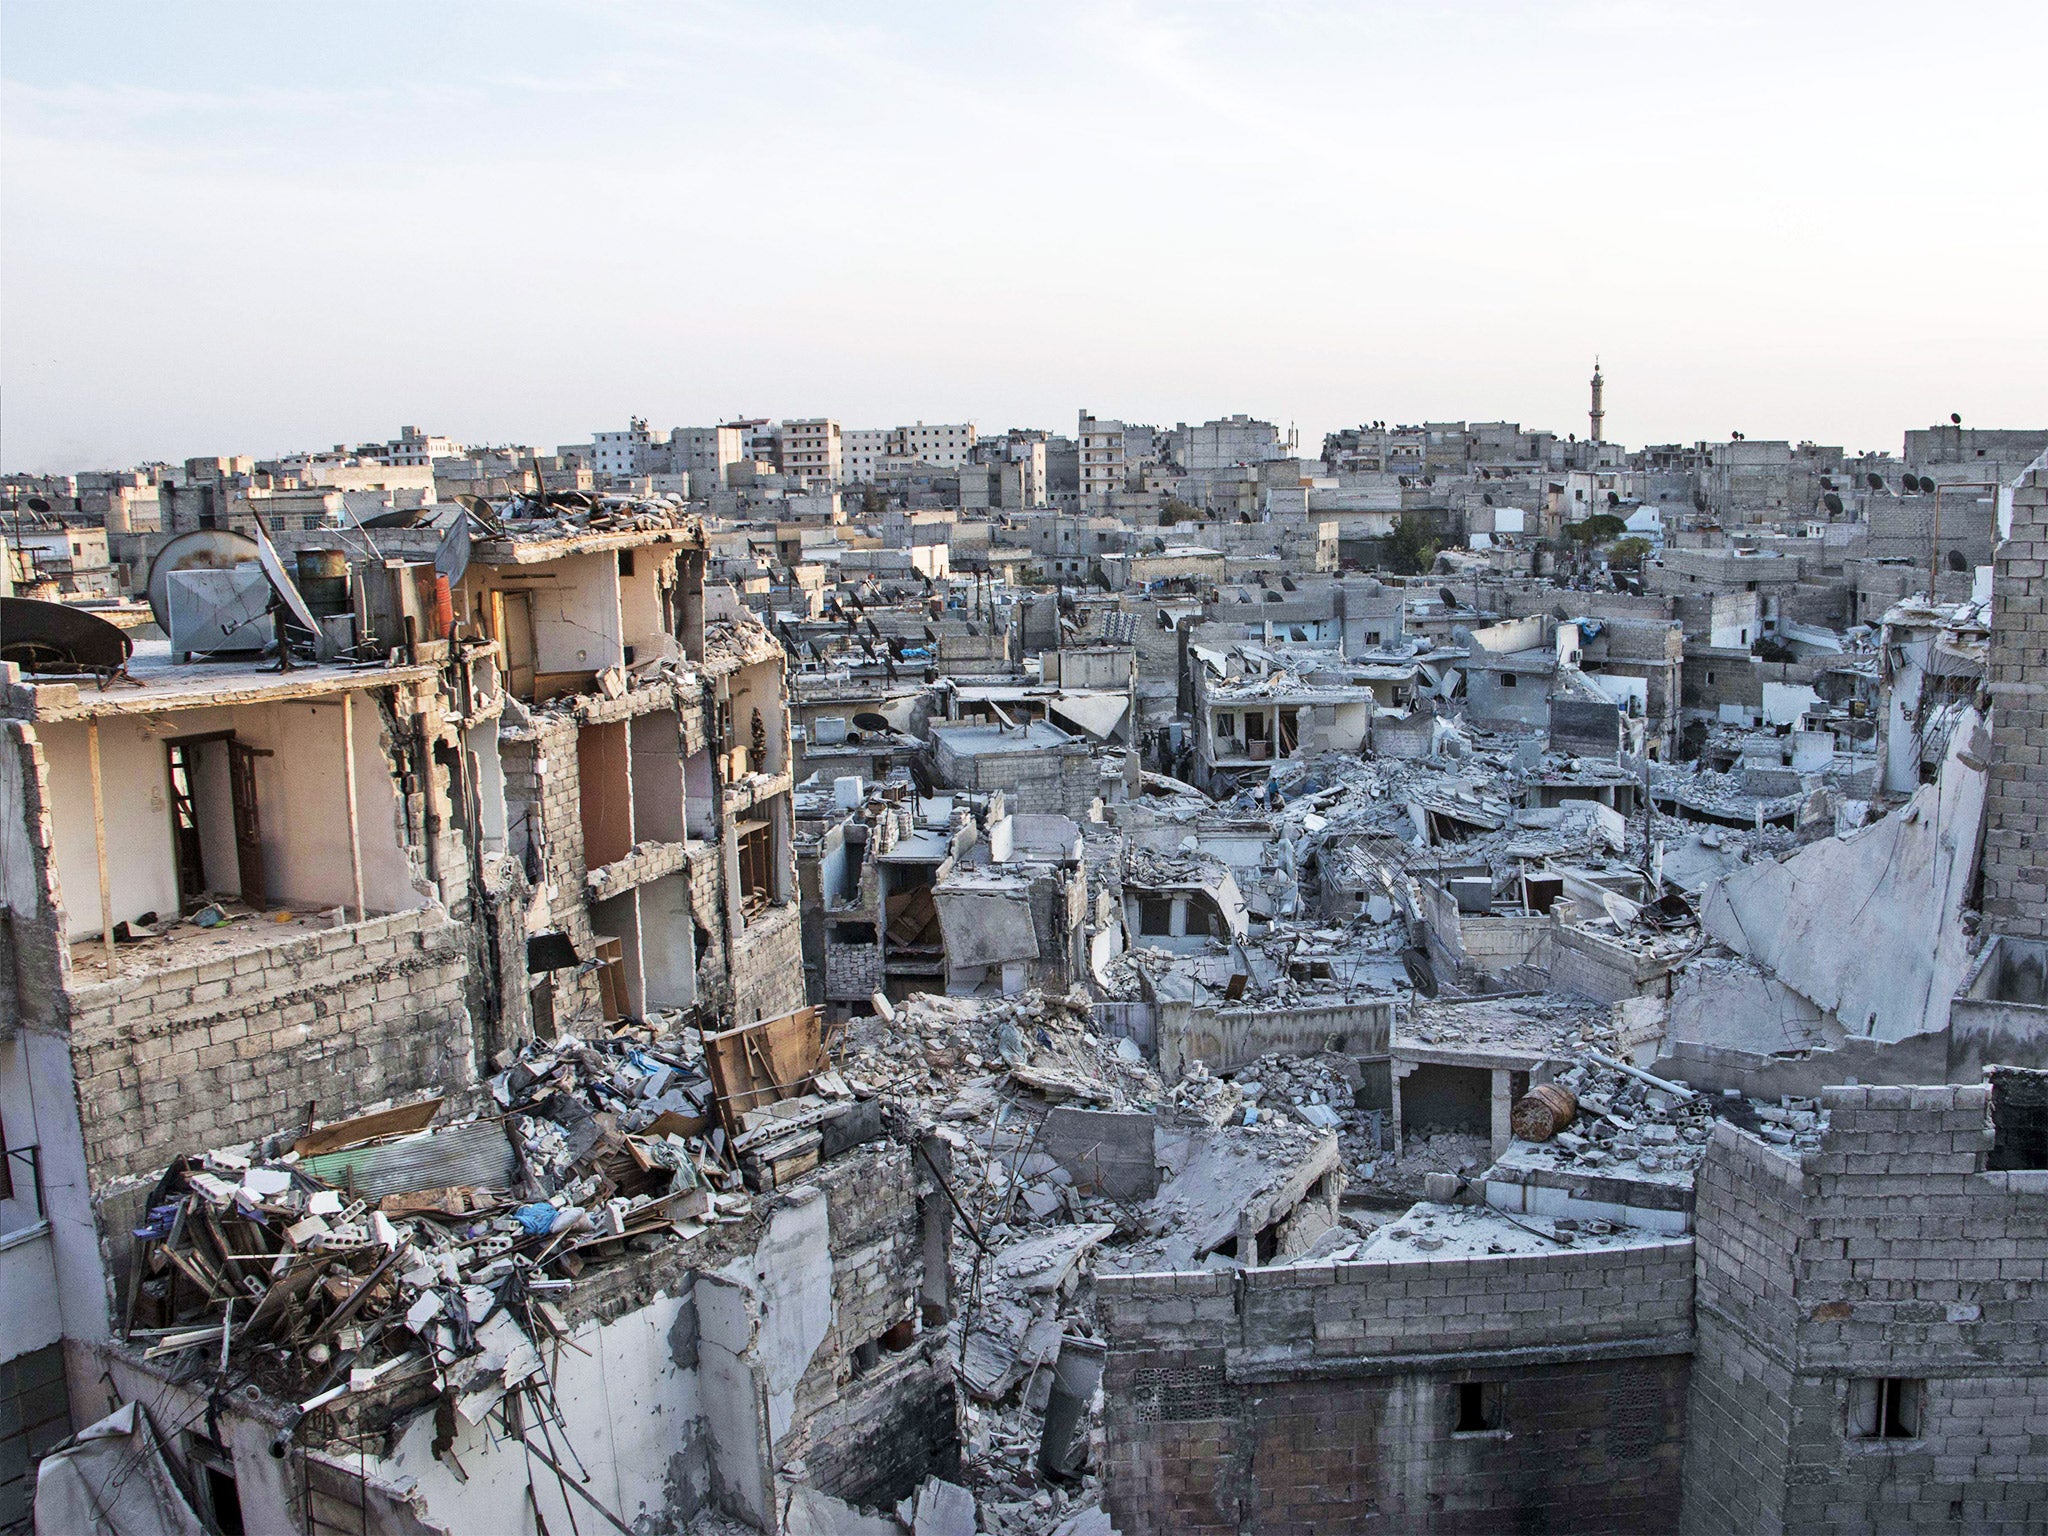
[1597, 416]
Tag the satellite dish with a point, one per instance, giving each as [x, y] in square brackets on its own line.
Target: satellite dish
[38, 504]
[282, 583]
[59, 638]
[203, 549]
[1826, 484]
[1926, 485]
[1954, 417]
[1832, 502]
[1450, 598]
[1876, 482]
[1957, 561]
[404, 517]
[868, 720]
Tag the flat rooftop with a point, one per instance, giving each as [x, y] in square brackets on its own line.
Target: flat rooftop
[157, 683]
[965, 740]
[1429, 1231]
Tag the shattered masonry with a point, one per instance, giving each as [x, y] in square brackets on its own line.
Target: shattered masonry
[689, 1023]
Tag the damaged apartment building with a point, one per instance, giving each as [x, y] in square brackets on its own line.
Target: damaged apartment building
[412, 1119]
[893, 1047]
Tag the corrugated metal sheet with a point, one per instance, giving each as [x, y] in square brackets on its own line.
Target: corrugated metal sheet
[479, 1153]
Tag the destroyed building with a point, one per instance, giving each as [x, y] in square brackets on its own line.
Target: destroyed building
[881, 1042]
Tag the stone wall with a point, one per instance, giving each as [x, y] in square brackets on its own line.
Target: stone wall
[1320, 1397]
[1888, 1254]
[229, 1050]
[2016, 812]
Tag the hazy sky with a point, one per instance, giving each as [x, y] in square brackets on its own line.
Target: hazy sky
[253, 228]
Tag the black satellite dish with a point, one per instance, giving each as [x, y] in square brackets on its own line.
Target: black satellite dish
[1876, 482]
[38, 504]
[1826, 484]
[868, 720]
[1955, 417]
[1832, 502]
[1450, 598]
[56, 638]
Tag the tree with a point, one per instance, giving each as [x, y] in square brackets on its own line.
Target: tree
[1598, 528]
[1629, 554]
[1410, 550]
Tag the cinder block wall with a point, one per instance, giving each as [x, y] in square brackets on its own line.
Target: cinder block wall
[1888, 1253]
[2016, 809]
[233, 1049]
[1319, 1398]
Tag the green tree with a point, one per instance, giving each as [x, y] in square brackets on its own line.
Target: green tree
[1629, 554]
[1598, 528]
[1410, 550]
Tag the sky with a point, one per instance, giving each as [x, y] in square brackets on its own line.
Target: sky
[254, 228]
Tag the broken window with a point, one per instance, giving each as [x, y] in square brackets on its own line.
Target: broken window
[1477, 1408]
[757, 866]
[1884, 1408]
[1155, 916]
[2019, 1119]
[213, 1471]
[1508, 680]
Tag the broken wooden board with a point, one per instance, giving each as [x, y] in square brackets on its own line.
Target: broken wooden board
[762, 1062]
[350, 1133]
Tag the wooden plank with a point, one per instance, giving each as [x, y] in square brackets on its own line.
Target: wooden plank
[385, 1122]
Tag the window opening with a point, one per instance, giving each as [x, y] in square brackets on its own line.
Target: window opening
[1884, 1408]
[1478, 1407]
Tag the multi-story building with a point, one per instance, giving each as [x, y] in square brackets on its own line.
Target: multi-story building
[1228, 441]
[861, 451]
[705, 454]
[624, 453]
[1103, 466]
[812, 450]
[947, 444]
[414, 447]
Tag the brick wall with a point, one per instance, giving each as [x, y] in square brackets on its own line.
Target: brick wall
[236, 1048]
[2016, 811]
[1322, 1397]
[1888, 1253]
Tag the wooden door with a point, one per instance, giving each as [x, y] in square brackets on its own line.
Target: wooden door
[248, 826]
[515, 634]
[185, 827]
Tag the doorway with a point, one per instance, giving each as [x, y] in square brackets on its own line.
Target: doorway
[216, 823]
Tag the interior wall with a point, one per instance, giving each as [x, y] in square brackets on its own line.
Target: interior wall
[302, 806]
[142, 870]
[213, 807]
[668, 950]
[759, 687]
[487, 774]
[640, 606]
[576, 621]
[657, 773]
[618, 917]
[605, 788]
[701, 806]
[1439, 1098]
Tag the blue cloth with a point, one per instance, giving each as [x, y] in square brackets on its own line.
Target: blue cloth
[538, 1218]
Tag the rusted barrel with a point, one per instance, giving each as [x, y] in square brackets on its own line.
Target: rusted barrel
[1543, 1111]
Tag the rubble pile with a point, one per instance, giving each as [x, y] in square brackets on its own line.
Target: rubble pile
[387, 1252]
[1039, 1209]
[1632, 1124]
